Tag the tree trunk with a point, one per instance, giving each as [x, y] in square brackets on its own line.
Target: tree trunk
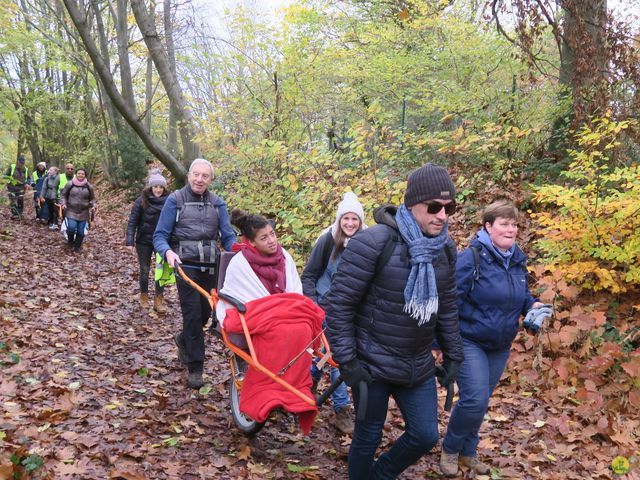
[584, 58]
[122, 37]
[78, 19]
[171, 54]
[191, 150]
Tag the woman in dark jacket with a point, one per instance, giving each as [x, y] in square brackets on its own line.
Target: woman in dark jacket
[142, 223]
[492, 295]
[78, 199]
[316, 280]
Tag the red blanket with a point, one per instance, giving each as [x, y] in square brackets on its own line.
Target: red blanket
[281, 326]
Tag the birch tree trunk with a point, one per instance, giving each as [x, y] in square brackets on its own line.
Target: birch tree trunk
[79, 21]
[190, 149]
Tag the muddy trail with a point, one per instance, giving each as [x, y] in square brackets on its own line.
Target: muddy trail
[90, 385]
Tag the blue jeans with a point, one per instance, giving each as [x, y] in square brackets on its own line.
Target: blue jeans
[419, 408]
[479, 374]
[76, 226]
[340, 397]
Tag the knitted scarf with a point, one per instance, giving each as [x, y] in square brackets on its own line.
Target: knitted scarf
[79, 183]
[271, 270]
[421, 292]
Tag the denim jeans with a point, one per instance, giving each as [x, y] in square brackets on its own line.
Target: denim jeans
[76, 226]
[340, 397]
[479, 374]
[419, 408]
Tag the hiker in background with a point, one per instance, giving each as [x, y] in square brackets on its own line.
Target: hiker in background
[17, 179]
[383, 315]
[142, 223]
[66, 176]
[493, 293]
[49, 195]
[191, 222]
[316, 280]
[37, 178]
[78, 200]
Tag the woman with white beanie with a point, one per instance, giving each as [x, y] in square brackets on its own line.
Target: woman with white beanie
[142, 223]
[316, 281]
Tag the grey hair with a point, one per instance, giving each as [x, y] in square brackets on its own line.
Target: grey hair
[201, 161]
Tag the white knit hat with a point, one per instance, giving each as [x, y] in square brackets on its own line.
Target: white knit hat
[349, 204]
[156, 179]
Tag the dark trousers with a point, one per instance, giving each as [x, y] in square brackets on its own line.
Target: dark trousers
[53, 211]
[195, 314]
[418, 404]
[16, 198]
[145, 254]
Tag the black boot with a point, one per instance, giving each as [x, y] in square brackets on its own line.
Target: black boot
[77, 245]
[71, 237]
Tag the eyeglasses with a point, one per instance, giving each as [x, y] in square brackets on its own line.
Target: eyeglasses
[435, 207]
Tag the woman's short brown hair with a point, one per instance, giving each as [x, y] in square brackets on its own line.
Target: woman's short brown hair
[500, 208]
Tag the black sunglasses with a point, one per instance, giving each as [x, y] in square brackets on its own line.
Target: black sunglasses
[435, 207]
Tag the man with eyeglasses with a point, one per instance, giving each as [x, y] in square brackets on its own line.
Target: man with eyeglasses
[190, 224]
[394, 292]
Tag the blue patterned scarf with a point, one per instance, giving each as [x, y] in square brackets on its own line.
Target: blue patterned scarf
[421, 292]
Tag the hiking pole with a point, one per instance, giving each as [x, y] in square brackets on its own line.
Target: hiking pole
[363, 389]
[448, 401]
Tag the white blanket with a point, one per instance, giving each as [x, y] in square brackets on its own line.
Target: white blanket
[241, 282]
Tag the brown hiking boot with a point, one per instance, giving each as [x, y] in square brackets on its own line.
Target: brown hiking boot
[343, 421]
[158, 305]
[144, 300]
[449, 464]
[474, 464]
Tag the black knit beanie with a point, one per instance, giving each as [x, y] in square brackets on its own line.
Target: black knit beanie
[429, 182]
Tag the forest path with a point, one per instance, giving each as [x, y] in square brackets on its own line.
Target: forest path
[90, 383]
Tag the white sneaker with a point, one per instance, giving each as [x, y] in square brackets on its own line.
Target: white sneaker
[53, 227]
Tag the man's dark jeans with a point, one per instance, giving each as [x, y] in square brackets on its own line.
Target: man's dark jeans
[419, 408]
[16, 199]
[195, 314]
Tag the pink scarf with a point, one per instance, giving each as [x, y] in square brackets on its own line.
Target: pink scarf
[271, 270]
[79, 183]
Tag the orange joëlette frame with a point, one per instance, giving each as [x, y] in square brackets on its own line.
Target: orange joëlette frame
[251, 358]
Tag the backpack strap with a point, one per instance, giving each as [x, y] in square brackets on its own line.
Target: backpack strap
[179, 204]
[387, 250]
[476, 268]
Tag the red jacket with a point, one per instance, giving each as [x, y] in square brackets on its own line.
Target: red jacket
[281, 326]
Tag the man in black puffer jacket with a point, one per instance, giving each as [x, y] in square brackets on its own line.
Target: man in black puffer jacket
[383, 315]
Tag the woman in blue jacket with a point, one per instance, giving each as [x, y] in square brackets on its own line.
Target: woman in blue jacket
[493, 293]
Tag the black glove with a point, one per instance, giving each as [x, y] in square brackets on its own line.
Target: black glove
[353, 373]
[448, 373]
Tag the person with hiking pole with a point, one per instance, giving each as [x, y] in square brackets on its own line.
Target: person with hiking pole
[37, 177]
[393, 293]
[140, 228]
[17, 176]
[191, 222]
[78, 201]
[316, 280]
[493, 293]
[49, 195]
